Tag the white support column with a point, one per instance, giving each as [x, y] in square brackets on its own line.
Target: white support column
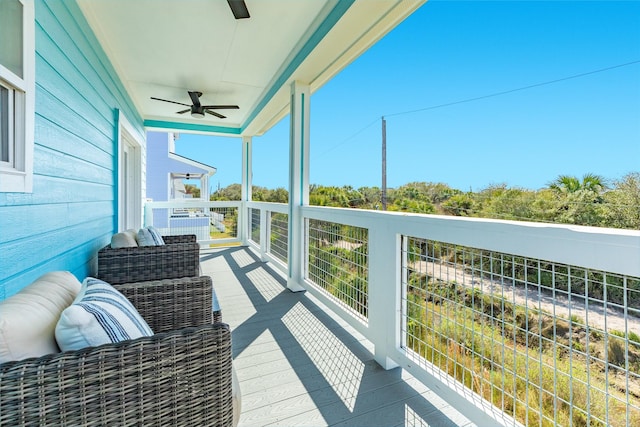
[204, 188]
[384, 294]
[298, 182]
[246, 190]
[247, 168]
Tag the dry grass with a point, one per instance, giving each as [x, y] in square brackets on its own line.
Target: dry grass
[541, 370]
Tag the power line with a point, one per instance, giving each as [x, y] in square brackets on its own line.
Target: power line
[575, 76]
[349, 138]
[448, 104]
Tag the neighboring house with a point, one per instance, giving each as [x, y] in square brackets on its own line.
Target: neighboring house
[169, 176]
[168, 172]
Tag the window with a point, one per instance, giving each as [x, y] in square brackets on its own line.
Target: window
[6, 154]
[17, 93]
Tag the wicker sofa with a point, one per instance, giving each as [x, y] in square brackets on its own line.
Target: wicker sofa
[182, 375]
[179, 257]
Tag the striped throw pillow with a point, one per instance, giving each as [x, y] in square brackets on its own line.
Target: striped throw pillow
[149, 236]
[99, 315]
[156, 236]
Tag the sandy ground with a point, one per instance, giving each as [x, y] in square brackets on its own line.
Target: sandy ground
[596, 317]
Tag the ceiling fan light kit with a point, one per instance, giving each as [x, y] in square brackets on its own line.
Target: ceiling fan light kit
[196, 114]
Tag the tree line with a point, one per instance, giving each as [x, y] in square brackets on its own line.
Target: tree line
[590, 200]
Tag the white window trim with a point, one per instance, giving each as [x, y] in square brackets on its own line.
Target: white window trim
[18, 177]
[4, 164]
[137, 142]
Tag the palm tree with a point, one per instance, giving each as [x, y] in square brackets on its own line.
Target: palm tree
[571, 184]
[595, 183]
[579, 201]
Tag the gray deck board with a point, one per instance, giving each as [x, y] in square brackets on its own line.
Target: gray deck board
[300, 365]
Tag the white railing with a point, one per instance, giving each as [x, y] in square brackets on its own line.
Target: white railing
[213, 223]
[531, 322]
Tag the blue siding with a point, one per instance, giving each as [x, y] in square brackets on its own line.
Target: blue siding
[71, 213]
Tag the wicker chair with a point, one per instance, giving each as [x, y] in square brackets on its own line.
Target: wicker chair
[182, 375]
[179, 257]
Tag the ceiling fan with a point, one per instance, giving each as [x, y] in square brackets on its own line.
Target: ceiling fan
[197, 109]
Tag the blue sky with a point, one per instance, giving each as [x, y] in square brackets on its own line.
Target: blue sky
[474, 94]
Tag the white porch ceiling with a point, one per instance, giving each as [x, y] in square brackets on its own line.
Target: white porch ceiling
[164, 48]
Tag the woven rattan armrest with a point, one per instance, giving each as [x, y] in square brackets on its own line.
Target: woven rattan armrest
[181, 377]
[181, 238]
[173, 303]
[143, 263]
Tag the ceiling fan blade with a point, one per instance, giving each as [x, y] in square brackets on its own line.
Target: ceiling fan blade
[221, 107]
[213, 113]
[173, 102]
[195, 98]
[183, 111]
[239, 9]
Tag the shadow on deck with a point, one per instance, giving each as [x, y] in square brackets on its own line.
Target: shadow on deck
[300, 365]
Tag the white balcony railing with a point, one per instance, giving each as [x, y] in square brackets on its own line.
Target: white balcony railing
[534, 322]
[212, 223]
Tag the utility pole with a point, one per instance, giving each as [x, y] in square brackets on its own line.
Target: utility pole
[384, 164]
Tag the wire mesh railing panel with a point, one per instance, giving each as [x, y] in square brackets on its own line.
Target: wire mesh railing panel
[254, 225]
[279, 238]
[547, 343]
[224, 222]
[338, 263]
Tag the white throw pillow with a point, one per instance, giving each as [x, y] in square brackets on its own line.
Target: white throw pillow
[28, 318]
[99, 315]
[132, 233]
[125, 239]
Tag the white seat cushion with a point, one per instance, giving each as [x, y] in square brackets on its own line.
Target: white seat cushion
[99, 315]
[236, 397]
[28, 318]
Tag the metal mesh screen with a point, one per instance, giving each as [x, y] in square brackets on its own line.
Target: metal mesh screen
[338, 263]
[279, 238]
[549, 344]
[254, 224]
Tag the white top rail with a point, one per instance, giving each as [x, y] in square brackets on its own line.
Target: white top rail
[607, 249]
[272, 207]
[191, 204]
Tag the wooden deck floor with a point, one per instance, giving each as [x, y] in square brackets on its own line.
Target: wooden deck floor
[299, 365]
